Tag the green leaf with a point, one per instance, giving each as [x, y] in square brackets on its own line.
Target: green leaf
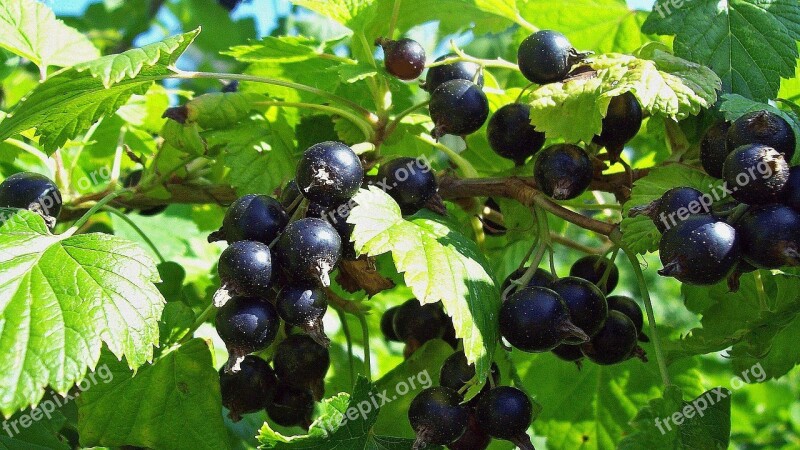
[38, 431]
[84, 93]
[62, 298]
[750, 44]
[330, 413]
[185, 137]
[439, 264]
[30, 29]
[670, 423]
[275, 48]
[220, 110]
[176, 404]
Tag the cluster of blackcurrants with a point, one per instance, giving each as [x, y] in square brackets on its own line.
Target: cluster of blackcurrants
[34, 192]
[572, 316]
[751, 222]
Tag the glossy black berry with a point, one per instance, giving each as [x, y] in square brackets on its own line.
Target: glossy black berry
[248, 390]
[762, 127]
[303, 305]
[568, 352]
[27, 190]
[592, 268]
[420, 323]
[511, 134]
[621, 123]
[699, 250]
[536, 320]
[291, 406]
[630, 308]
[245, 269]
[458, 107]
[246, 325]
[563, 171]
[309, 249]
[329, 173]
[290, 194]
[506, 413]
[586, 303]
[675, 206]
[791, 192]
[404, 58]
[461, 70]
[615, 343]
[474, 438]
[756, 174]
[456, 372]
[387, 324]
[546, 57]
[409, 181]
[252, 218]
[437, 417]
[337, 217]
[541, 278]
[133, 179]
[714, 148]
[770, 236]
[299, 360]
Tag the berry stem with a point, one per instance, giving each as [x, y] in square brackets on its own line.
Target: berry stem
[392, 125]
[367, 354]
[762, 295]
[201, 319]
[139, 231]
[97, 207]
[395, 15]
[349, 339]
[498, 63]
[607, 272]
[360, 122]
[465, 166]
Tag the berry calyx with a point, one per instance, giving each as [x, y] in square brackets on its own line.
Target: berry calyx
[511, 134]
[37, 193]
[547, 56]
[700, 250]
[563, 171]
[309, 249]
[541, 278]
[291, 406]
[300, 361]
[770, 236]
[765, 128]
[630, 308]
[537, 320]
[462, 70]
[621, 123]
[245, 269]
[410, 182]
[246, 325]
[586, 303]
[252, 218]
[329, 173]
[437, 417]
[506, 413]
[387, 324]
[615, 343]
[756, 174]
[593, 268]
[674, 206]
[248, 390]
[403, 58]
[458, 107]
[714, 148]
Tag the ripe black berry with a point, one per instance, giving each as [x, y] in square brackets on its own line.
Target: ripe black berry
[410, 182]
[756, 174]
[699, 250]
[762, 127]
[586, 303]
[289, 194]
[246, 325]
[511, 134]
[592, 268]
[541, 278]
[456, 372]
[437, 417]
[615, 343]
[403, 58]
[291, 406]
[252, 218]
[337, 216]
[300, 361]
[461, 70]
[309, 249]
[329, 173]
[245, 269]
[568, 352]
[714, 148]
[506, 413]
[675, 206]
[458, 107]
[303, 305]
[563, 171]
[770, 236]
[27, 190]
[791, 192]
[621, 123]
[546, 56]
[630, 308]
[474, 438]
[536, 320]
[387, 324]
[418, 323]
[248, 390]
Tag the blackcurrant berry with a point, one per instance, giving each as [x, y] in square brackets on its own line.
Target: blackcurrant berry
[621, 123]
[756, 174]
[230, 5]
[329, 173]
[630, 308]
[791, 192]
[303, 305]
[246, 325]
[506, 413]
[699, 250]
[615, 343]
[252, 218]
[592, 268]
[404, 58]
[586, 303]
[675, 206]
[568, 352]
[762, 127]
[536, 320]
[458, 107]
[541, 278]
[133, 179]
[418, 323]
[387, 324]
[714, 148]
[511, 134]
[474, 438]
[245, 269]
[248, 390]
[337, 216]
[309, 249]
[300, 361]
[290, 194]
[27, 190]
[563, 171]
[770, 236]
[456, 372]
[449, 334]
[546, 57]
[410, 182]
[461, 70]
[291, 406]
[437, 417]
